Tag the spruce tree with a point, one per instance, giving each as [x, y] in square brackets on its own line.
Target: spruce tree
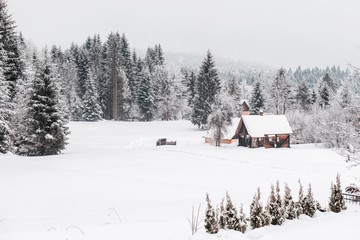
[289, 205]
[231, 218]
[274, 207]
[299, 205]
[234, 90]
[46, 130]
[191, 88]
[280, 92]
[336, 201]
[10, 58]
[211, 223]
[146, 97]
[242, 221]
[309, 203]
[258, 218]
[257, 100]
[303, 96]
[221, 215]
[91, 107]
[4, 113]
[208, 87]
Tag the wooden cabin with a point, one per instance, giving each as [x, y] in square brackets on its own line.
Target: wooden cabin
[245, 107]
[269, 131]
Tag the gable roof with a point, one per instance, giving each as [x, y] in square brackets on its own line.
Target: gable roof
[259, 126]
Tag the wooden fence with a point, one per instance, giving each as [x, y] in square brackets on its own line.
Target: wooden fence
[352, 198]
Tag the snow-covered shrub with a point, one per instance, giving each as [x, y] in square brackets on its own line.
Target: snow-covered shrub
[258, 217]
[274, 207]
[336, 201]
[309, 203]
[289, 205]
[211, 223]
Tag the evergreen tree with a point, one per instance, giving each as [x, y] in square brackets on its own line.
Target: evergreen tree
[221, 215]
[242, 220]
[324, 94]
[257, 100]
[4, 113]
[91, 107]
[46, 130]
[274, 207]
[289, 204]
[207, 88]
[191, 88]
[299, 205]
[258, 218]
[10, 56]
[303, 96]
[146, 97]
[309, 203]
[280, 92]
[336, 201]
[234, 90]
[231, 218]
[211, 224]
[313, 97]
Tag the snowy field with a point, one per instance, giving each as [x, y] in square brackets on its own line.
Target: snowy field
[112, 182]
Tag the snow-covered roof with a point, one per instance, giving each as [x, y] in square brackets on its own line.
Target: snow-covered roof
[258, 126]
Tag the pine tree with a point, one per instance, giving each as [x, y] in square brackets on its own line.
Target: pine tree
[4, 113]
[46, 130]
[234, 90]
[280, 92]
[208, 87]
[336, 201]
[258, 218]
[231, 218]
[274, 207]
[10, 57]
[257, 100]
[303, 96]
[289, 204]
[309, 203]
[146, 97]
[324, 94]
[221, 215]
[299, 205]
[91, 107]
[242, 220]
[211, 224]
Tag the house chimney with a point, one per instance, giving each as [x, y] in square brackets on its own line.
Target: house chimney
[261, 113]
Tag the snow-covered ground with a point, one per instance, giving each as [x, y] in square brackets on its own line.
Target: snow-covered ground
[112, 182]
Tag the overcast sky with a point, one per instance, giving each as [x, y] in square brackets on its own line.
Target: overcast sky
[274, 32]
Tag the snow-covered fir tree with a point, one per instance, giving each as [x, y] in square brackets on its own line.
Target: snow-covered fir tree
[303, 96]
[258, 217]
[299, 205]
[280, 92]
[10, 56]
[242, 220]
[4, 112]
[288, 203]
[220, 210]
[274, 207]
[211, 223]
[257, 100]
[208, 86]
[231, 217]
[234, 90]
[91, 107]
[46, 131]
[146, 96]
[309, 207]
[336, 201]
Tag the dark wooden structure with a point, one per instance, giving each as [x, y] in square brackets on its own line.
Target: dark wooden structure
[245, 108]
[352, 198]
[163, 141]
[263, 131]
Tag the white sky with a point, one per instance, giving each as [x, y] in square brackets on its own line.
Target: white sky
[274, 32]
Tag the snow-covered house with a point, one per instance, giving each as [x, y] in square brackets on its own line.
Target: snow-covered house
[245, 107]
[263, 131]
